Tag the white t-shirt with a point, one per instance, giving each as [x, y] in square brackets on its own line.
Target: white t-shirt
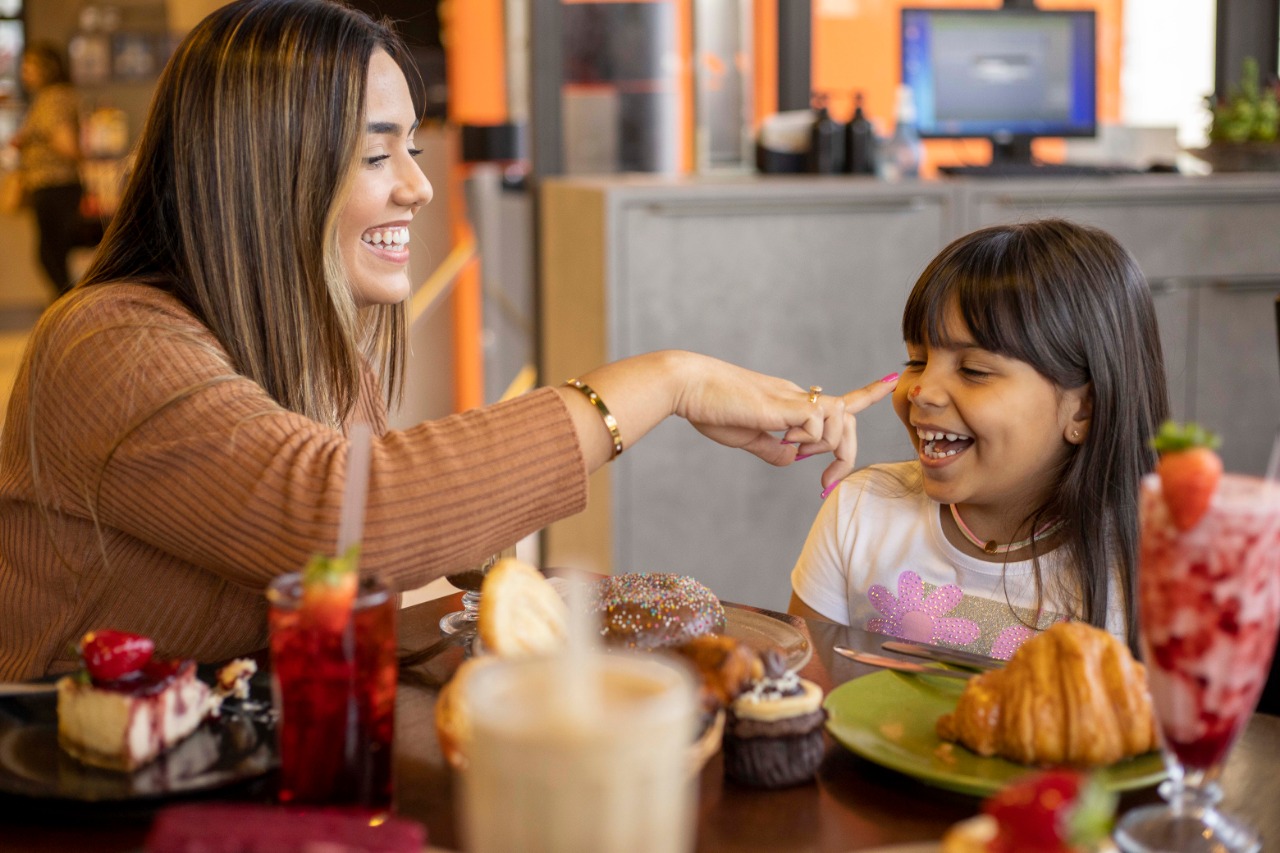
[876, 558]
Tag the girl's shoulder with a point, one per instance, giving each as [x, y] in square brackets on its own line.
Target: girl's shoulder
[887, 480]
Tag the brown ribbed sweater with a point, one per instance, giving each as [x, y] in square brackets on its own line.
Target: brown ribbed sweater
[205, 499]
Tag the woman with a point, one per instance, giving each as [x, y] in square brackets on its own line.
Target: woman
[175, 438]
[49, 161]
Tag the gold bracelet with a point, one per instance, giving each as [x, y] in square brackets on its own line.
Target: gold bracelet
[609, 420]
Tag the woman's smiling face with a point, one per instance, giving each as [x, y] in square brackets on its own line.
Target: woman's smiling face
[990, 431]
[389, 188]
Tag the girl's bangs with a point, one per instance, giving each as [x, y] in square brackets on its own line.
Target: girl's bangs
[991, 308]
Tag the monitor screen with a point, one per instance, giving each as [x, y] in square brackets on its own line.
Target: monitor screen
[1007, 74]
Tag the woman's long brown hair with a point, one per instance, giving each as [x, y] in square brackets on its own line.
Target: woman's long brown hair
[242, 167]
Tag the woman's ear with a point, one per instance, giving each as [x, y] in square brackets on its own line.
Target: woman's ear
[1077, 405]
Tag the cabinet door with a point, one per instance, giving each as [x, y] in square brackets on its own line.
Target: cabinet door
[811, 290]
[1237, 378]
[1175, 302]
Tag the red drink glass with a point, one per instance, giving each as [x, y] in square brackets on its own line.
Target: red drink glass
[335, 693]
[1209, 610]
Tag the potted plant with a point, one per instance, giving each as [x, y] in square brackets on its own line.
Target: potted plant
[1244, 130]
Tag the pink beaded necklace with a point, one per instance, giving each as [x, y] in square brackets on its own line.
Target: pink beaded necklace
[990, 546]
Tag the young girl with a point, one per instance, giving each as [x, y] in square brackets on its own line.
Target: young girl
[1034, 379]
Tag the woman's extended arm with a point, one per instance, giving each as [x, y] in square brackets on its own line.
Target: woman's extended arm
[729, 404]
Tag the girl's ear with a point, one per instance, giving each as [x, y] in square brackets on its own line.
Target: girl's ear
[1078, 405]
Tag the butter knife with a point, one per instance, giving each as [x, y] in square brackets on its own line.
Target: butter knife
[901, 665]
[952, 656]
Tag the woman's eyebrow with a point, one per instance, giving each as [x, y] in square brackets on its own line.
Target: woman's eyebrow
[389, 127]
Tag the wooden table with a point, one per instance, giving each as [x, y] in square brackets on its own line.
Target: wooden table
[853, 804]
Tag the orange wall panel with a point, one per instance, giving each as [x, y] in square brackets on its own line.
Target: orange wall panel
[475, 60]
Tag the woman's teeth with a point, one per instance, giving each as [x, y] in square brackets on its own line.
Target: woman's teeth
[955, 442]
[387, 237]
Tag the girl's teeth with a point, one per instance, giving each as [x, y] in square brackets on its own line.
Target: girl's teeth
[928, 446]
[929, 435]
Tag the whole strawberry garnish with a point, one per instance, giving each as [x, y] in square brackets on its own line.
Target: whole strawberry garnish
[1054, 811]
[110, 655]
[329, 590]
[1189, 470]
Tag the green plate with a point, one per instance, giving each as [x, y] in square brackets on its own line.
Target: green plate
[889, 718]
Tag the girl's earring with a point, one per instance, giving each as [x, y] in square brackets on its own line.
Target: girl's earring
[1075, 433]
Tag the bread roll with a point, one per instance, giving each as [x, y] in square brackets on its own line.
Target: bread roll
[520, 611]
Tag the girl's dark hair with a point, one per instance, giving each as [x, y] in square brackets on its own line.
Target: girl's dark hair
[1070, 301]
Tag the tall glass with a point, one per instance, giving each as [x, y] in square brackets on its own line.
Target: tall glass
[335, 692]
[580, 757]
[1209, 609]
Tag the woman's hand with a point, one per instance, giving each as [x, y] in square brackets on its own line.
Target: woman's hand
[740, 408]
[729, 404]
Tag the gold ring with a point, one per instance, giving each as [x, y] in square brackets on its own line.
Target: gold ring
[814, 391]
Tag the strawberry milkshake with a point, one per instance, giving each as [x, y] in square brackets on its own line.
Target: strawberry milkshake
[1209, 600]
[1209, 610]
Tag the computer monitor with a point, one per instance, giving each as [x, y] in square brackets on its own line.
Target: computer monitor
[1009, 75]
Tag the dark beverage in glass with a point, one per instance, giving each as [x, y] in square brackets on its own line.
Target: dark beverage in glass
[335, 693]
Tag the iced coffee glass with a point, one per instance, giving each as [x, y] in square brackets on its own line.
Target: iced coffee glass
[335, 692]
[1209, 608]
[580, 769]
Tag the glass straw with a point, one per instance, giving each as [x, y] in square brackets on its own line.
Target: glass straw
[356, 487]
[580, 684]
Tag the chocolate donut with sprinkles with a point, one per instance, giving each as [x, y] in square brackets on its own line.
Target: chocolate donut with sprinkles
[653, 610]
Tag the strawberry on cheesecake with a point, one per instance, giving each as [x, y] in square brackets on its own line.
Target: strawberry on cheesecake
[127, 707]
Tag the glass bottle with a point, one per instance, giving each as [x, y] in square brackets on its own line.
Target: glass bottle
[859, 142]
[900, 156]
[826, 140]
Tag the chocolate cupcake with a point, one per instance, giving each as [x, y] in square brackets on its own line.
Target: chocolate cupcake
[773, 736]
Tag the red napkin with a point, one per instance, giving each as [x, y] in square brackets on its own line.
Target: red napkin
[245, 828]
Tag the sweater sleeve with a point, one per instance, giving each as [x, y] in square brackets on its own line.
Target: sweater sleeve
[144, 425]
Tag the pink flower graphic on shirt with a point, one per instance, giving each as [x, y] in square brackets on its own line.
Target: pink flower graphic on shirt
[1009, 640]
[919, 618]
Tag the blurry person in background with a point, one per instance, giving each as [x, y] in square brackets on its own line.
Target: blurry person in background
[48, 147]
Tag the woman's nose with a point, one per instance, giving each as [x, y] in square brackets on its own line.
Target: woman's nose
[414, 190]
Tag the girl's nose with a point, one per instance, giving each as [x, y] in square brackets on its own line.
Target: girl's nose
[919, 395]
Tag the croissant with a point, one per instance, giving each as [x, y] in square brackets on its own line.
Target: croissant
[1072, 695]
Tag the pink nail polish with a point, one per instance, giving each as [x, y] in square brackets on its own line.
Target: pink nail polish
[800, 456]
[829, 489]
[892, 377]
[784, 441]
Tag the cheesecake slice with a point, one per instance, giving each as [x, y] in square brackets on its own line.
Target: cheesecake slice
[128, 722]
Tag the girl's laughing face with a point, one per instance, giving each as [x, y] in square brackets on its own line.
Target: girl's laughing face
[991, 432]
